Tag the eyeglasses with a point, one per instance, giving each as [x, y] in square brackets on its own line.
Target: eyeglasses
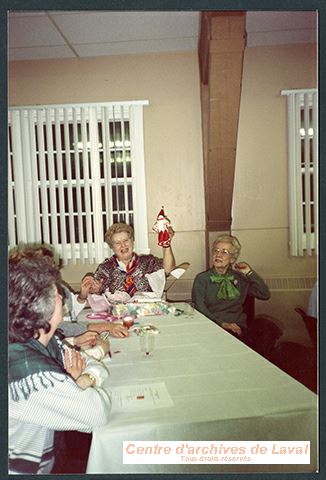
[223, 252]
[121, 242]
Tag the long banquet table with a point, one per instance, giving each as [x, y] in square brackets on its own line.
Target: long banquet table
[221, 390]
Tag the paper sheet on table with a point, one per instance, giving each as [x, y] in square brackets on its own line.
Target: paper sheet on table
[157, 281]
[140, 397]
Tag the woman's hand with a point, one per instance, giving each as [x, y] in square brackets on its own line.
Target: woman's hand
[88, 286]
[114, 329]
[74, 363]
[87, 339]
[85, 381]
[168, 256]
[242, 267]
[171, 232]
[105, 344]
[118, 330]
[97, 286]
[233, 327]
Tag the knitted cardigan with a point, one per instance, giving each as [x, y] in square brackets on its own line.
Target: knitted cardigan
[44, 398]
[204, 296]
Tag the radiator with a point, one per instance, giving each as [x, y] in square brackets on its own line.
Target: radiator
[290, 283]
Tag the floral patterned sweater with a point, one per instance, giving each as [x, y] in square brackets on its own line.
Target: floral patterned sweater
[133, 278]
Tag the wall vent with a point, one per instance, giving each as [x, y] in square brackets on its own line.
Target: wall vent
[290, 283]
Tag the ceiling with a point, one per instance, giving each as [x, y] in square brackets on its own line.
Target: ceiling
[35, 35]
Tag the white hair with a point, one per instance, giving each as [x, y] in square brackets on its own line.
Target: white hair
[229, 239]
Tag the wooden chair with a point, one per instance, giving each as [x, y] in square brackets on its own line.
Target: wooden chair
[173, 276]
[300, 361]
[311, 325]
[249, 309]
[262, 330]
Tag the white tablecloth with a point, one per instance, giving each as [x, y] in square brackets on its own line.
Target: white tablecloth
[221, 390]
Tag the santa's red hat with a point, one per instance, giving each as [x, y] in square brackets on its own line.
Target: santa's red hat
[161, 212]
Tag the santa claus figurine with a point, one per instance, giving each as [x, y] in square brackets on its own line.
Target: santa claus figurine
[161, 226]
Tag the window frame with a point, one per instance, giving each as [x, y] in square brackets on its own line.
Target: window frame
[302, 240]
[26, 177]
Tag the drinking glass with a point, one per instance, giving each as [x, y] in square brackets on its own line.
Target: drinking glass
[147, 342]
[128, 321]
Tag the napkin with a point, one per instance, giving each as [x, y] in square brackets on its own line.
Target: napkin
[157, 282]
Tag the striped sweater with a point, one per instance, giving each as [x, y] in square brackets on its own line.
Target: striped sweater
[47, 401]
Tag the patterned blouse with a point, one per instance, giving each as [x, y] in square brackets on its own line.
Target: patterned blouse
[131, 280]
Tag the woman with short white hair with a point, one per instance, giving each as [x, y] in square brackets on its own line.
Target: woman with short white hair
[219, 293]
[125, 270]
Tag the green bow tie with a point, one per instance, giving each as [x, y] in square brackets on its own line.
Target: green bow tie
[227, 289]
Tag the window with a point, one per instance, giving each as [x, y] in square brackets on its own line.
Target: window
[73, 170]
[302, 108]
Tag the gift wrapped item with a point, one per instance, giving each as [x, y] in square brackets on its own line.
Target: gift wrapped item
[117, 297]
[140, 309]
[121, 309]
[154, 308]
[98, 303]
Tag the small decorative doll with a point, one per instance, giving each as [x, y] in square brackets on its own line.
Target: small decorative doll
[161, 226]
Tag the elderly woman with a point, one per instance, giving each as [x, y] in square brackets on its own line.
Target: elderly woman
[48, 384]
[73, 302]
[219, 293]
[125, 270]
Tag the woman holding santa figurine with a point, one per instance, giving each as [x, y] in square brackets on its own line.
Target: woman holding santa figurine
[125, 270]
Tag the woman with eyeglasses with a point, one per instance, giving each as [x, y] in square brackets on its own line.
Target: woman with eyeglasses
[125, 271]
[219, 293]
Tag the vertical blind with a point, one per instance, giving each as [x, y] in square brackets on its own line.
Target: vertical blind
[302, 107]
[73, 170]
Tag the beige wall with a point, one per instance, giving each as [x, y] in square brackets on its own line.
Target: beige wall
[260, 208]
[173, 150]
[172, 126]
[260, 204]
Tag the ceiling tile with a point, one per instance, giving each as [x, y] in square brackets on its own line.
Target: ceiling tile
[104, 27]
[280, 20]
[33, 31]
[99, 33]
[136, 47]
[40, 53]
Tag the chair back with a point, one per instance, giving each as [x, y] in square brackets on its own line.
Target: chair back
[249, 309]
[311, 325]
[173, 276]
